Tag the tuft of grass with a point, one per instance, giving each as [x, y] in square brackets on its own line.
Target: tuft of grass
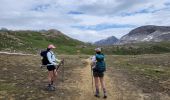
[7, 87]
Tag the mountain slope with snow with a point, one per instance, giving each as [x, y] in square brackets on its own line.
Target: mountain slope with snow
[149, 33]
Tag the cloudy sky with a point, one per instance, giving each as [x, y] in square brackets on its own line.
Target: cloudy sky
[86, 20]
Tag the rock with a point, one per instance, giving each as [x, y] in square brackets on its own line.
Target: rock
[52, 98]
[62, 93]
[4, 69]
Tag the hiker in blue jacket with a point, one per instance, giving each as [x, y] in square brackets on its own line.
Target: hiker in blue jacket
[99, 67]
[51, 66]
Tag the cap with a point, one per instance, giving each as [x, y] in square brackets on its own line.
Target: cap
[51, 46]
[98, 49]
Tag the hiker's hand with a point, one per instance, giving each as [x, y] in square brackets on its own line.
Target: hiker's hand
[58, 61]
[58, 70]
[92, 64]
[55, 64]
[93, 67]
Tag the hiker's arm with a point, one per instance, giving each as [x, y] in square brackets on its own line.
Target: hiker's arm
[58, 61]
[50, 59]
[93, 63]
[93, 59]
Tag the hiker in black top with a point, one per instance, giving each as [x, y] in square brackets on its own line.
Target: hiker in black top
[99, 67]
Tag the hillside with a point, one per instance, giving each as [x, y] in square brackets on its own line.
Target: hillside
[149, 33]
[28, 41]
[138, 48]
[34, 41]
[108, 41]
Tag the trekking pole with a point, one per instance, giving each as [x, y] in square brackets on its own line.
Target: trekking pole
[63, 70]
[59, 65]
[92, 79]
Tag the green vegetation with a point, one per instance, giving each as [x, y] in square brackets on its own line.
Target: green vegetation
[139, 48]
[34, 41]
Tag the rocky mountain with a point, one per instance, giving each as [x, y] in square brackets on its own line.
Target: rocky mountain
[149, 33]
[108, 41]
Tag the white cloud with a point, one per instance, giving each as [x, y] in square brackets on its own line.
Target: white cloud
[47, 14]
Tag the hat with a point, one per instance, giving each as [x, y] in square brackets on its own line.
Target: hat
[98, 49]
[51, 46]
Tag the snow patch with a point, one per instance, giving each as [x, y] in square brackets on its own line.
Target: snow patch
[148, 38]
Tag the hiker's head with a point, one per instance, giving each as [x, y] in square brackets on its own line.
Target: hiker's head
[98, 50]
[51, 46]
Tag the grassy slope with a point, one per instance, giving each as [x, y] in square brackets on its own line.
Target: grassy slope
[139, 48]
[33, 42]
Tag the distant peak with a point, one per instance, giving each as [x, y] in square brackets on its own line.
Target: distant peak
[108, 41]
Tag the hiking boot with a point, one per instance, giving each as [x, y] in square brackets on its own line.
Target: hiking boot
[105, 96]
[96, 95]
[51, 88]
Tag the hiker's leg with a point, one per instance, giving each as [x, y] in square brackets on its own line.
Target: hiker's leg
[50, 79]
[96, 80]
[54, 75]
[50, 75]
[103, 86]
[102, 83]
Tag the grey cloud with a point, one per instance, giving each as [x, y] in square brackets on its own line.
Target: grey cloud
[17, 14]
[111, 7]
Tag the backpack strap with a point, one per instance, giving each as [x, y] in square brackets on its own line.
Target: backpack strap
[51, 53]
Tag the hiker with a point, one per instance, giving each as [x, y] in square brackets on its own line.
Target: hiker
[51, 64]
[99, 67]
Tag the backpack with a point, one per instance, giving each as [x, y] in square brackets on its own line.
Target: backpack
[44, 60]
[100, 64]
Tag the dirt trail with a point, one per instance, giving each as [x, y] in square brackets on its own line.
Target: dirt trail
[85, 85]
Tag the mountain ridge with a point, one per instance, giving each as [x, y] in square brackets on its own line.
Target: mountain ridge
[148, 33]
[108, 41]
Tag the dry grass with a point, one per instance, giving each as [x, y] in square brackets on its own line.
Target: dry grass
[22, 78]
[148, 73]
[139, 77]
